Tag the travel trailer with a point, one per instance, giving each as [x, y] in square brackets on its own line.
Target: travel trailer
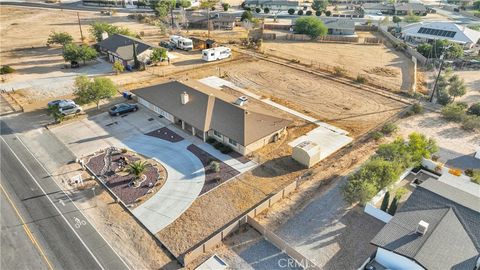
[182, 43]
[217, 53]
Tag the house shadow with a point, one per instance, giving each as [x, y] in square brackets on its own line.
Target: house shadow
[277, 167]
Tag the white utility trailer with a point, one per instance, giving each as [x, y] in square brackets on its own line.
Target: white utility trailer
[217, 53]
[182, 43]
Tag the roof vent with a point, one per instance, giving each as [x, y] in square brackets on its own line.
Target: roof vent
[422, 227]
[241, 101]
[184, 97]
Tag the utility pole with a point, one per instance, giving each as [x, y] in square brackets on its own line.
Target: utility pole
[439, 72]
[171, 14]
[80, 26]
[208, 20]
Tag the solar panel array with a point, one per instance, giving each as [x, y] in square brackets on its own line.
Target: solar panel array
[436, 32]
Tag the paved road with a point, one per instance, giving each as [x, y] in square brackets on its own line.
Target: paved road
[65, 239]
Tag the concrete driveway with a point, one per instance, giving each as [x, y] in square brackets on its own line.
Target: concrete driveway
[184, 181]
[185, 172]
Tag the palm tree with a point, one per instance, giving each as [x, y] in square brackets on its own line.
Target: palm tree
[137, 168]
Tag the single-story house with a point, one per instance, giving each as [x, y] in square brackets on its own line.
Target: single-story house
[206, 112]
[224, 21]
[121, 48]
[436, 228]
[377, 8]
[429, 31]
[407, 8]
[273, 5]
[338, 26]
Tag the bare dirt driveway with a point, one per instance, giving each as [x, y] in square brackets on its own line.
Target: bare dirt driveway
[381, 64]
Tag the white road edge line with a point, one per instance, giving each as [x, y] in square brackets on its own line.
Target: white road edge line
[70, 199]
[56, 208]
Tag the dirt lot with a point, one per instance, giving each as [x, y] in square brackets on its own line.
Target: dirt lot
[472, 81]
[382, 65]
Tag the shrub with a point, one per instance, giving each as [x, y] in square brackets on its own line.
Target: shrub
[217, 145]
[318, 13]
[476, 176]
[247, 16]
[291, 11]
[474, 109]
[386, 200]
[456, 172]
[400, 192]
[309, 13]
[266, 10]
[469, 172]
[377, 135]
[328, 13]
[454, 112]
[211, 140]
[214, 166]
[258, 10]
[339, 71]
[389, 129]
[300, 12]
[6, 70]
[393, 207]
[361, 78]
[471, 122]
[417, 108]
[311, 26]
[124, 150]
[225, 149]
[443, 97]
[225, 6]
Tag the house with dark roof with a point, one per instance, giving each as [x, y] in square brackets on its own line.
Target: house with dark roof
[206, 112]
[124, 48]
[274, 5]
[438, 227]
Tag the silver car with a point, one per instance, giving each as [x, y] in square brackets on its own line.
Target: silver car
[70, 109]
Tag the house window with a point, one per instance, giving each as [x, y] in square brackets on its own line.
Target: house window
[232, 142]
[217, 134]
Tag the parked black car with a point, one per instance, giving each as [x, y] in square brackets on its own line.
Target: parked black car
[122, 108]
[167, 45]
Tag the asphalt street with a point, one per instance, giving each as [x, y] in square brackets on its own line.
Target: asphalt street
[41, 227]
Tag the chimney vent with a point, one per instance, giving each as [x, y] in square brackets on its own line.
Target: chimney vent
[184, 98]
[422, 227]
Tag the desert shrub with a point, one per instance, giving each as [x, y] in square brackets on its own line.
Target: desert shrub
[300, 12]
[443, 97]
[361, 78]
[124, 150]
[339, 71]
[214, 166]
[308, 13]
[266, 10]
[210, 140]
[456, 172]
[471, 122]
[454, 112]
[377, 135]
[328, 13]
[6, 70]
[417, 108]
[400, 192]
[318, 13]
[389, 128]
[225, 149]
[291, 11]
[476, 176]
[258, 10]
[474, 109]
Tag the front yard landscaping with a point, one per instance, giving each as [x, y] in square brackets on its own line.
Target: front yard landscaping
[130, 176]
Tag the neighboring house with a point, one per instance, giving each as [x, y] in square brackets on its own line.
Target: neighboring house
[273, 5]
[121, 48]
[438, 227]
[206, 112]
[339, 26]
[224, 21]
[377, 8]
[430, 31]
[409, 8]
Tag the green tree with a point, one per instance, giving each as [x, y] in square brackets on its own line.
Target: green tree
[425, 49]
[386, 200]
[291, 11]
[328, 13]
[456, 87]
[54, 112]
[258, 10]
[225, 6]
[380, 172]
[97, 28]
[311, 26]
[266, 10]
[6, 70]
[86, 53]
[397, 20]
[208, 5]
[396, 151]
[300, 12]
[118, 67]
[393, 206]
[158, 55]
[71, 52]
[421, 147]
[476, 5]
[358, 190]
[88, 91]
[246, 16]
[61, 38]
[318, 13]
[474, 109]
[183, 4]
[453, 112]
[411, 18]
[319, 5]
[308, 13]
[163, 7]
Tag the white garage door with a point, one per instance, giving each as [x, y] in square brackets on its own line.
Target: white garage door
[156, 109]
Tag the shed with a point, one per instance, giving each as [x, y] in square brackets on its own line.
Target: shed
[307, 153]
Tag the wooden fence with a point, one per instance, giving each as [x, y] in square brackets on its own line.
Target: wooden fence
[405, 48]
[217, 237]
[322, 38]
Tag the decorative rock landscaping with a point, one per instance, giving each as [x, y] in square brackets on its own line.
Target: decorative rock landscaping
[165, 134]
[111, 166]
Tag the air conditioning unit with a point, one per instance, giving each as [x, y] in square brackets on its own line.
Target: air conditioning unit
[241, 101]
[422, 227]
